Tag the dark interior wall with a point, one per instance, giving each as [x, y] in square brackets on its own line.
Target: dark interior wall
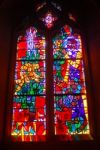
[93, 34]
[5, 39]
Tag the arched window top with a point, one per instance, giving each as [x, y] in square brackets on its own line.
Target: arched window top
[70, 42]
[31, 45]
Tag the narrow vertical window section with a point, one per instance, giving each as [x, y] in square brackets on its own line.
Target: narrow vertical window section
[70, 100]
[29, 108]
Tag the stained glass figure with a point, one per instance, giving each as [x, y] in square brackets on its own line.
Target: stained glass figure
[70, 100]
[29, 105]
[49, 20]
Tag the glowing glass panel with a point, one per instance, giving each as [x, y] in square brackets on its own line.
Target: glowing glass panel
[49, 19]
[29, 108]
[70, 101]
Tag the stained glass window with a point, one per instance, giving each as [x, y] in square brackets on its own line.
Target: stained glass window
[70, 100]
[29, 108]
[49, 19]
[30, 96]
